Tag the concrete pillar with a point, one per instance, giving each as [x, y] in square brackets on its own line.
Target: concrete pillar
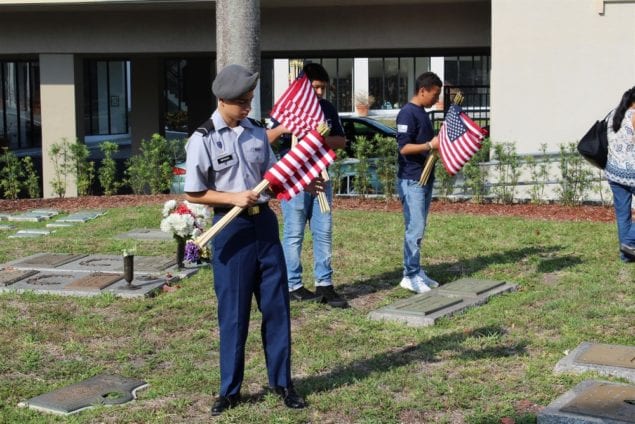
[57, 95]
[281, 77]
[146, 104]
[360, 77]
[238, 38]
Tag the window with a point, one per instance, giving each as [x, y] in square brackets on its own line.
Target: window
[391, 79]
[106, 97]
[20, 117]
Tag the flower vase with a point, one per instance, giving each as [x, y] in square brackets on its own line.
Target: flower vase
[180, 251]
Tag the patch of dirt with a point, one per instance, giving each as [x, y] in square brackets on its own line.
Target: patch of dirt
[546, 211]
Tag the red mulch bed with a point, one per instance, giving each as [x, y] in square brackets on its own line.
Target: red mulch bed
[548, 211]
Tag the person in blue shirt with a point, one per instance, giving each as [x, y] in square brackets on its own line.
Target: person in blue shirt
[305, 208]
[226, 158]
[416, 139]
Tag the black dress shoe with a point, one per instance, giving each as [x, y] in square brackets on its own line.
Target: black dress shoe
[304, 295]
[628, 251]
[330, 296]
[224, 402]
[290, 397]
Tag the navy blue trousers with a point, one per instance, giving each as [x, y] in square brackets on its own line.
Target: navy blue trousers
[248, 261]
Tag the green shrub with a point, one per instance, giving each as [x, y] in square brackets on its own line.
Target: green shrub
[363, 149]
[335, 170]
[84, 169]
[11, 174]
[508, 169]
[60, 155]
[539, 172]
[475, 174]
[445, 182]
[108, 169]
[386, 150]
[32, 182]
[576, 175]
[151, 170]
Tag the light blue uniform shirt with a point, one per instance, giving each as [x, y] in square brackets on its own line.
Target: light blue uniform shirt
[226, 161]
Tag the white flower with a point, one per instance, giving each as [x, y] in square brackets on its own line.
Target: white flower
[168, 207]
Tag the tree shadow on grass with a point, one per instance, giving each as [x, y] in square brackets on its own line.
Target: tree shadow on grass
[424, 352]
[447, 272]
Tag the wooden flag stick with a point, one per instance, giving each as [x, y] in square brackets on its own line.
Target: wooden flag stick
[204, 238]
[428, 167]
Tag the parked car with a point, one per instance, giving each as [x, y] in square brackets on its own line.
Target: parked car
[178, 178]
[355, 126]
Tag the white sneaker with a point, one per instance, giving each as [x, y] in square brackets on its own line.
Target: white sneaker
[415, 284]
[427, 280]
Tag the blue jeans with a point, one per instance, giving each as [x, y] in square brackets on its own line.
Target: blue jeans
[416, 204]
[622, 202]
[297, 212]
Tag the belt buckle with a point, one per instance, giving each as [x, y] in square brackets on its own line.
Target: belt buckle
[254, 210]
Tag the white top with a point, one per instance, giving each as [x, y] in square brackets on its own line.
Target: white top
[620, 164]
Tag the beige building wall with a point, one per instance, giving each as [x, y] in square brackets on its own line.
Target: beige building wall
[557, 66]
[57, 96]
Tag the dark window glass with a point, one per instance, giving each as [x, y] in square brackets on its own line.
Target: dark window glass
[20, 126]
[106, 97]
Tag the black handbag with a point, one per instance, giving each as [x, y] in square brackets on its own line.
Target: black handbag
[594, 145]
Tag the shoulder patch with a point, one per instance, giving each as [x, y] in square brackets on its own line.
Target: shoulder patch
[402, 128]
[256, 122]
[206, 127]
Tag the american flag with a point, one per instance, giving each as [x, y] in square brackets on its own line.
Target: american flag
[459, 139]
[301, 165]
[298, 109]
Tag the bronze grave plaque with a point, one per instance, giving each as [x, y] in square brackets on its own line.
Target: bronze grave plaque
[45, 279]
[606, 401]
[470, 286]
[153, 263]
[49, 260]
[609, 355]
[10, 276]
[94, 282]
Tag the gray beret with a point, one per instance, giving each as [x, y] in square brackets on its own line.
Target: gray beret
[233, 81]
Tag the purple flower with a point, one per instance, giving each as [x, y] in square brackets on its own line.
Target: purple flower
[192, 252]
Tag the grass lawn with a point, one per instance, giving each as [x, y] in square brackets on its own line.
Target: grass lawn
[489, 362]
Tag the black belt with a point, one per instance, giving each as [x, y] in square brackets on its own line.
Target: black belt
[250, 211]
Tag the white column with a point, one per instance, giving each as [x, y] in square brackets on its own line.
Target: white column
[57, 96]
[360, 76]
[280, 77]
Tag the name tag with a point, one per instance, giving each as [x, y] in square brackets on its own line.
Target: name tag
[221, 160]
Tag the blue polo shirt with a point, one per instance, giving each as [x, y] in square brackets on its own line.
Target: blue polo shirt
[413, 127]
[331, 117]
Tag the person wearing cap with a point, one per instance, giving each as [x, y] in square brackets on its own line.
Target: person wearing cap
[304, 208]
[226, 158]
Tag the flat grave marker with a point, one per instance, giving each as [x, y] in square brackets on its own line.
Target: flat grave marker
[46, 260]
[98, 390]
[592, 401]
[146, 234]
[605, 359]
[9, 276]
[82, 216]
[424, 309]
[95, 281]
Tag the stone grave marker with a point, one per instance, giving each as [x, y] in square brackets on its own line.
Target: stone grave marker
[46, 260]
[50, 282]
[93, 282]
[30, 233]
[56, 224]
[6, 227]
[46, 212]
[31, 216]
[424, 309]
[605, 359]
[98, 390]
[146, 234]
[114, 263]
[4, 216]
[81, 216]
[592, 401]
[9, 276]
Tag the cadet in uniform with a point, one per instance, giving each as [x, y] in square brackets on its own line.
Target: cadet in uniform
[226, 158]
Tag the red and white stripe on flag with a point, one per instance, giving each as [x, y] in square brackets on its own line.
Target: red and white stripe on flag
[459, 139]
[298, 109]
[301, 165]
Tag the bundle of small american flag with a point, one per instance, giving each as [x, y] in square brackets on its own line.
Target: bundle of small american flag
[459, 139]
[298, 109]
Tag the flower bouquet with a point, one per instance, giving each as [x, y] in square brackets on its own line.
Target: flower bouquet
[185, 221]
